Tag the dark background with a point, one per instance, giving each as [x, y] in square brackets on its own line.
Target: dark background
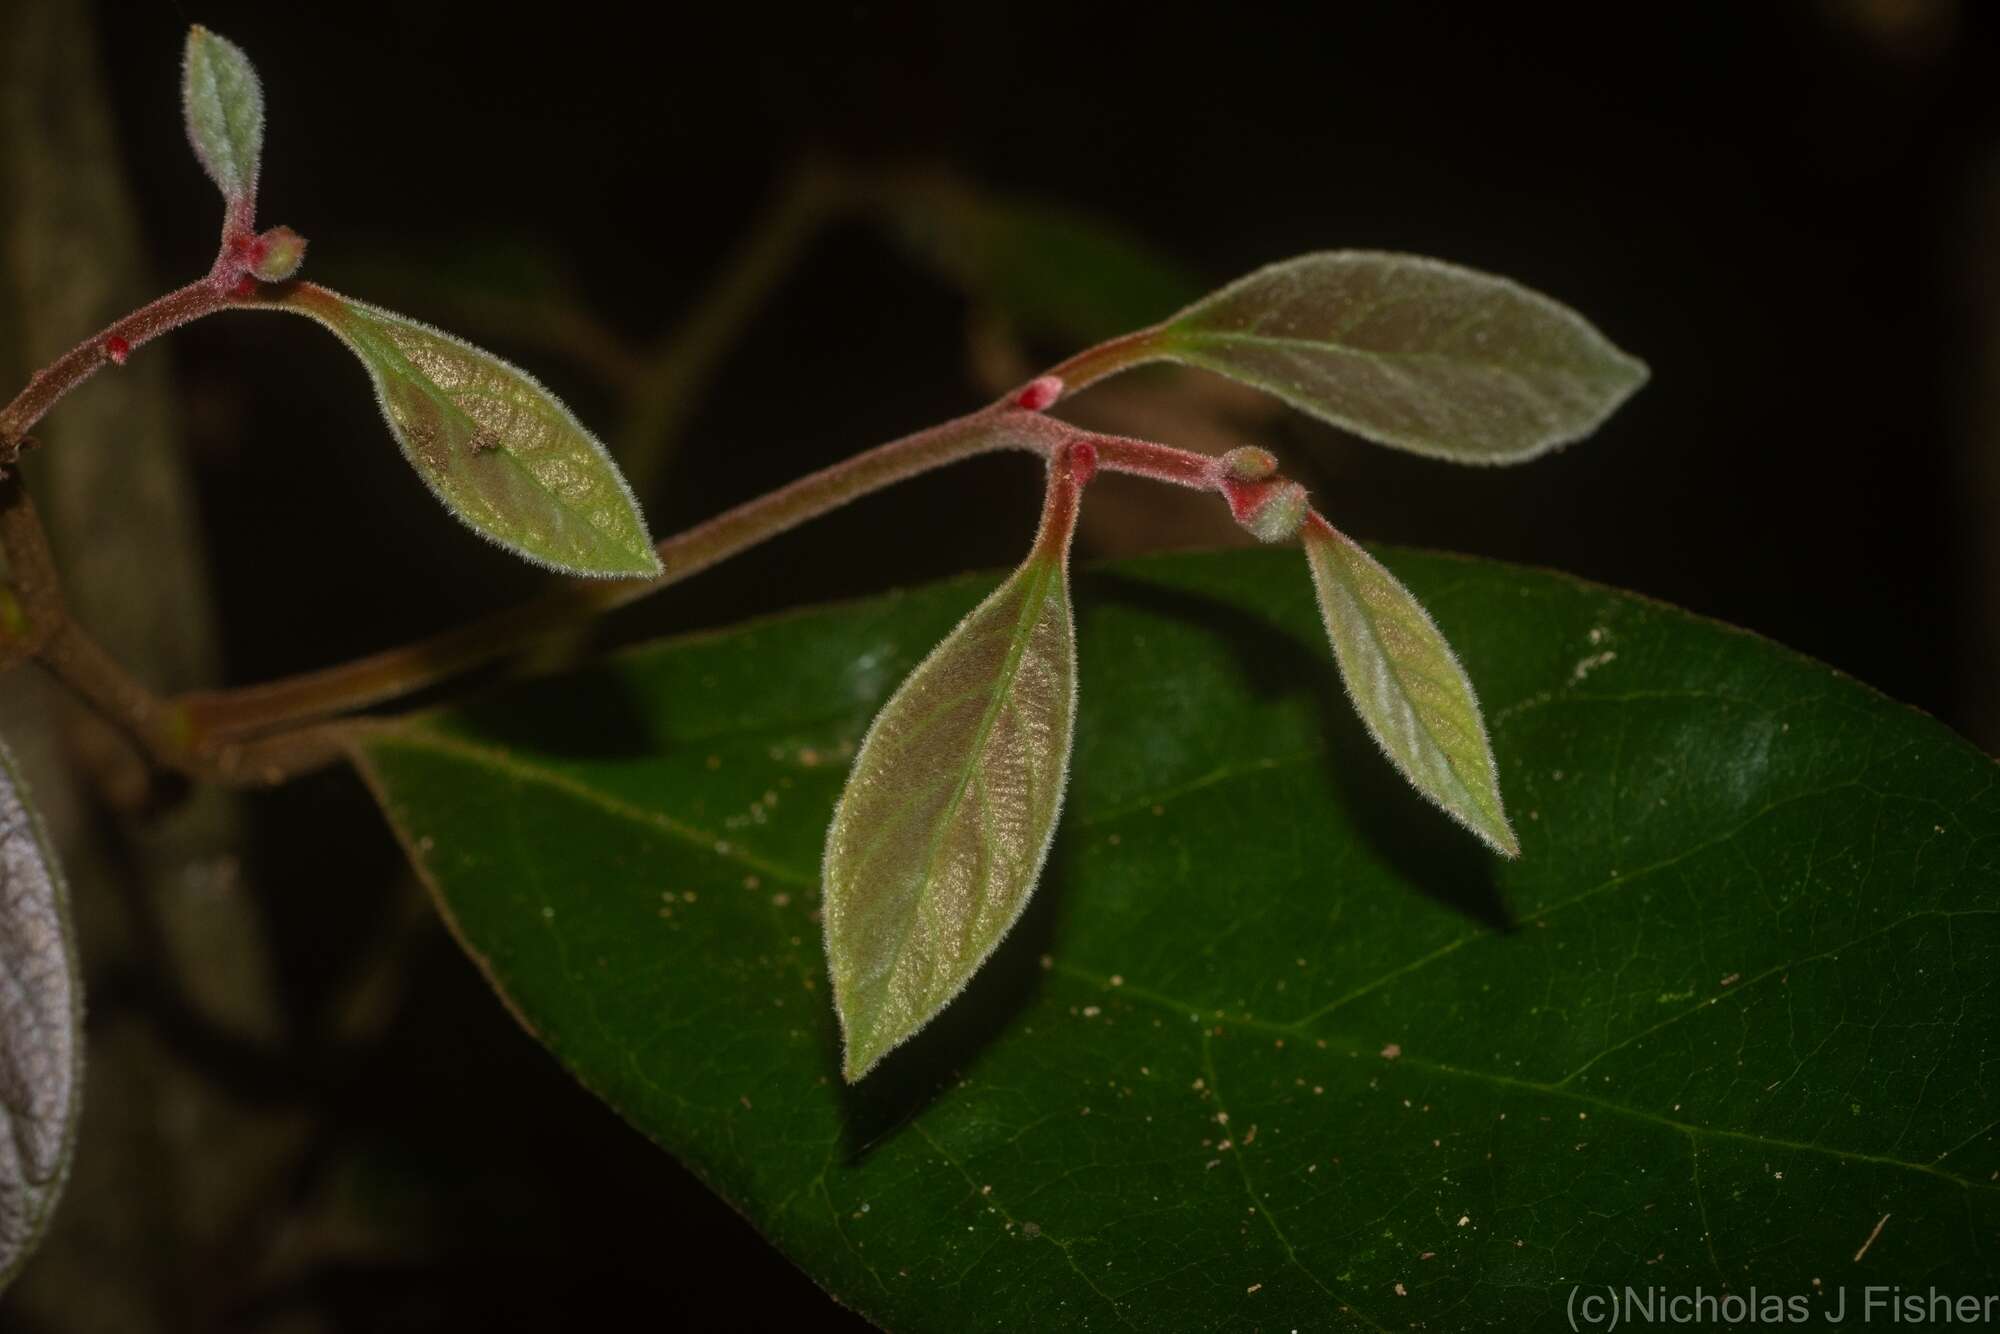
[1789, 210]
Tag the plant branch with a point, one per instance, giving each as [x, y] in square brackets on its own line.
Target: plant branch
[113, 343]
[1106, 359]
[36, 595]
[70, 655]
[256, 710]
[266, 733]
[401, 671]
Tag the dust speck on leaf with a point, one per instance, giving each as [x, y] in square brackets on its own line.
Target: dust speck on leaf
[1586, 666]
[1392, 1051]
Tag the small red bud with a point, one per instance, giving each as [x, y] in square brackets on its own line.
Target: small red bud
[1082, 462]
[1040, 394]
[117, 347]
[245, 288]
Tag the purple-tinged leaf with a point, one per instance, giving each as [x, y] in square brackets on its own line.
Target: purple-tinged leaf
[41, 1021]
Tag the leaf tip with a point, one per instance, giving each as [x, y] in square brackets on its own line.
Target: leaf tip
[861, 1050]
[1502, 840]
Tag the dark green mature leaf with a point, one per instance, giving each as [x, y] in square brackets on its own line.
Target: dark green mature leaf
[1273, 1049]
[500, 451]
[1410, 352]
[224, 108]
[41, 1028]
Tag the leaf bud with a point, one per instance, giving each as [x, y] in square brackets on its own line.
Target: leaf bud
[1040, 394]
[1247, 463]
[276, 255]
[1271, 511]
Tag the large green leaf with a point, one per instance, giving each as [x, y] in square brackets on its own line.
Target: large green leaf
[1274, 1048]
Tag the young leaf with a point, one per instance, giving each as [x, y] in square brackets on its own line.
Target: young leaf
[500, 451]
[224, 106]
[1406, 685]
[41, 1040]
[948, 814]
[1410, 352]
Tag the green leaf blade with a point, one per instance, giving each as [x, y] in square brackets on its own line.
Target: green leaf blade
[1408, 688]
[946, 820]
[1411, 352]
[41, 1028]
[223, 104]
[1756, 926]
[503, 453]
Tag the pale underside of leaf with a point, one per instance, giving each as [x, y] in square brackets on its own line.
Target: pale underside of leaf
[1407, 686]
[947, 817]
[41, 1048]
[498, 449]
[1411, 352]
[224, 107]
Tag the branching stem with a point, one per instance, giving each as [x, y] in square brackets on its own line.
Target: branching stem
[113, 343]
[266, 733]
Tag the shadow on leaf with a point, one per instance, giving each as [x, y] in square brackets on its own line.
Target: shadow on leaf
[1424, 846]
[911, 1077]
[589, 714]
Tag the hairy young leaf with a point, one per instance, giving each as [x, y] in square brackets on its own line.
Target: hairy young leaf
[41, 1021]
[1406, 685]
[949, 811]
[1747, 1007]
[1410, 352]
[500, 451]
[224, 106]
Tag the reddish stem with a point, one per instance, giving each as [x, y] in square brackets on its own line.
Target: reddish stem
[112, 344]
[1106, 359]
[397, 672]
[1162, 463]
